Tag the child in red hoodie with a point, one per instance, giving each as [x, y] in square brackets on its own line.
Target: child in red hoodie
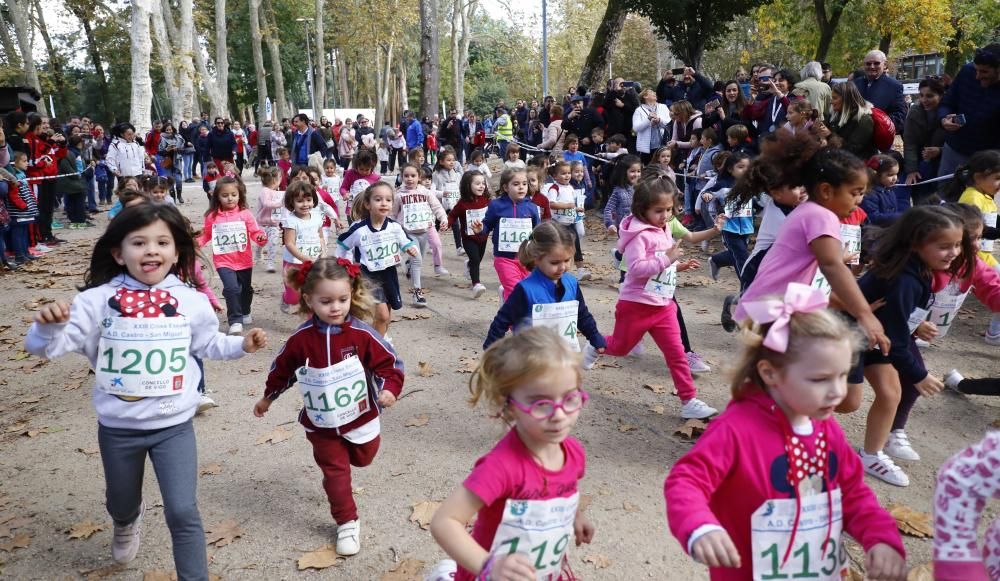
[769, 488]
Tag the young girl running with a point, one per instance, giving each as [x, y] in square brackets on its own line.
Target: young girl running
[550, 296]
[347, 373]
[477, 162]
[467, 213]
[835, 181]
[446, 181]
[646, 298]
[416, 209]
[768, 489]
[270, 206]
[524, 492]
[880, 201]
[359, 177]
[562, 200]
[138, 323]
[374, 241]
[738, 212]
[510, 219]
[923, 241]
[977, 184]
[301, 234]
[427, 181]
[331, 180]
[623, 180]
[536, 177]
[230, 227]
[513, 159]
[578, 177]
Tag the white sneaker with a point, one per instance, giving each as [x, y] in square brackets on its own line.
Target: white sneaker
[42, 248]
[952, 379]
[899, 446]
[125, 544]
[270, 268]
[590, 356]
[637, 351]
[205, 403]
[460, 251]
[248, 319]
[286, 308]
[468, 274]
[477, 290]
[882, 467]
[441, 271]
[583, 274]
[349, 538]
[236, 329]
[500, 293]
[922, 344]
[697, 364]
[695, 409]
[991, 339]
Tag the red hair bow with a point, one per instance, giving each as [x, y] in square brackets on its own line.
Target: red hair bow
[353, 270]
[299, 276]
[874, 163]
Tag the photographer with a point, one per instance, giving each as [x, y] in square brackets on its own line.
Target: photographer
[620, 104]
[581, 121]
[693, 88]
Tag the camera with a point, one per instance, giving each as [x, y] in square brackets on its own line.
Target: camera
[679, 71]
[630, 84]
[764, 79]
[960, 119]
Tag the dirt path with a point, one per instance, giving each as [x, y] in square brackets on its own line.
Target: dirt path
[51, 478]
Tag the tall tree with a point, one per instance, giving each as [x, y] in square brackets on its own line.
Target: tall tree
[345, 91]
[281, 107]
[83, 14]
[165, 53]
[827, 22]
[216, 98]
[142, 84]
[7, 44]
[221, 57]
[319, 84]
[258, 62]
[604, 42]
[430, 68]
[463, 13]
[182, 42]
[19, 18]
[55, 59]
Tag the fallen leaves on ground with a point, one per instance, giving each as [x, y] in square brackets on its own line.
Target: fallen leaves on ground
[102, 572]
[406, 570]
[625, 428]
[629, 507]
[598, 561]
[658, 409]
[321, 558]
[605, 363]
[210, 469]
[417, 421]
[84, 529]
[89, 451]
[467, 364]
[13, 522]
[691, 429]
[423, 512]
[414, 316]
[275, 436]
[656, 388]
[924, 572]
[911, 522]
[158, 575]
[424, 369]
[20, 541]
[223, 533]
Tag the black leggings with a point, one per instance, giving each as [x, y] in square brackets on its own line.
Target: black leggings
[684, 330]
[475, 250]
[909, 394]
[986, 386]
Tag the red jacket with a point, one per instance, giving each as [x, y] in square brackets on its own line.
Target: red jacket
[354, 338]
[37, 149]
[542, 202]
[152, 143]
[457, 216]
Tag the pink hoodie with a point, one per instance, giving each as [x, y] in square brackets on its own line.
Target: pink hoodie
[985, 283]
[267, 201]
[639, 243]
[730, 472]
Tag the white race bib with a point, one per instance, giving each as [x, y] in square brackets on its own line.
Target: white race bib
[417, 216]
[451, 196]
[820, 283]
[744, 211]
[850, 239]
[143, 357]
[811, 557]
[356, 188]
[560, 317]
[916, 317]
[379, 250]
[947, 302]
[665, 283]
[229, 237]
[565, 216]
[276, 215]
[581, 201]
[473, 216]
[513, 231]
[336, 395]
[308, 242]
[541, 530]
[990, 219]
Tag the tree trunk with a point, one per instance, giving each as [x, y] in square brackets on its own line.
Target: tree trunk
[19, 18]
[604, 41]
[164, 51]
[430, 69]
[461, 23]
[281, 107]
[221, 58]
[142, 84]
[8, 44]
[345, 91]
[885, 43]
[402, 95]
[319, 87]
[55, 60]
[93, 50]
[216, 100]
[382, 76]
[953, 54]
[185, 69]
[258, 62]
[827, 24]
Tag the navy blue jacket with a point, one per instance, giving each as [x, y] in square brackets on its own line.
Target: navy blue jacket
[981, 107]
[516, 310]
[697, 93]
[910, 290]
[221, 144]
[504, 207]
[886, 93]
[881, 205]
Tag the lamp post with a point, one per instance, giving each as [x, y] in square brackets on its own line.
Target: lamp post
[312, 90]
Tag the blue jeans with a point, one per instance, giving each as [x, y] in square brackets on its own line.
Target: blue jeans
[19, 239]
[104, 190]
[91, 192]
[736, 252]
[950, 160]
[188, 165]
[238, 292]
[174, 455]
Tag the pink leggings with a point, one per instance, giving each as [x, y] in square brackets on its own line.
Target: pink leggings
[510, 272]
[633, 320]
[435, 243]
[290, 296]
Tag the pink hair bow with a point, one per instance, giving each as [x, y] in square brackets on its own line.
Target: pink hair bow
[799, 298]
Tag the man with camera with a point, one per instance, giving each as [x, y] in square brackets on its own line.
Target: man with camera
[970, 110]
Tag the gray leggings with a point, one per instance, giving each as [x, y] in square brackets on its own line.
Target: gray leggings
[175, 459]
[416, 262]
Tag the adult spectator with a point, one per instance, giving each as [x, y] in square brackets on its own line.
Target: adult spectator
[882, 90]
[450, 132]
[694, 88]
[521, 115]
[665, 89]
[152, 144]
[264, 155]
[326, 132]
[729, 111]
[414, 132]
[533, 133]
[545, 112]
[125, 158]
[170, 149]
[649, 121]
[503, 128]
[852, 121]
[582, 121]
[974, 94]
[923, 137]
[769, 113]
[552, 139]
[469, 128]
[365, 128]
[827, 73]
[686, 120]
[306, 141]
[187, 153]
[620, 105]
[221, 143]
[816, 91]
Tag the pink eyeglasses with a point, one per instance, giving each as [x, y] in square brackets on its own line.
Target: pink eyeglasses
[544, 409]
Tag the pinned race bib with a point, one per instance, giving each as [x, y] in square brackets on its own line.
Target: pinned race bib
[916, 317]
[850, 239]
[451, 196]
[947, 302]
[379, 250]
[308, 242]
[541, 530]
[473, 216]
[665, 283]
[581, 201]
[336, 395]
[276, 214]
[811, 557]
[143, 357]
[417, 216]
[356, 188]
[229, 237]
[513, 231]
[560, 317]
[990, 220]
[820, 283]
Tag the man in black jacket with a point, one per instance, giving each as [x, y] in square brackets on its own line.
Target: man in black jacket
[581, 121]
[450, 133]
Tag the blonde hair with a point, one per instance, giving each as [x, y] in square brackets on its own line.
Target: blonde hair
[545, 238]
[517, 359]
[540, 176]
[823, 324]
[358, 210]
[362, 303]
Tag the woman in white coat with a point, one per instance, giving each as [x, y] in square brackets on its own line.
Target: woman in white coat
[649, 122]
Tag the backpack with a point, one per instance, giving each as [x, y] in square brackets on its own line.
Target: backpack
[883, 131]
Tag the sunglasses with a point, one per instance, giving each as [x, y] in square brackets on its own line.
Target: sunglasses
[873, 63]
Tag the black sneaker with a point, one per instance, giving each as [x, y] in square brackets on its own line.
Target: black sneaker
[727, 313]
[418, 298]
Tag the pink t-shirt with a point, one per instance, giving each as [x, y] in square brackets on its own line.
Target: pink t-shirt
[510, 471]
[234, 252]
[790, 259]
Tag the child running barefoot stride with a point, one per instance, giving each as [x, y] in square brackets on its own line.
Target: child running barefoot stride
[346, 373]
[139, 324]
[768, 489]
[523, 493]
[646, 299]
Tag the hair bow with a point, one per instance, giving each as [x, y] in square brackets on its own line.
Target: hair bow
[299, 276]
[799, 298]
[874, 163]
[353, 270]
